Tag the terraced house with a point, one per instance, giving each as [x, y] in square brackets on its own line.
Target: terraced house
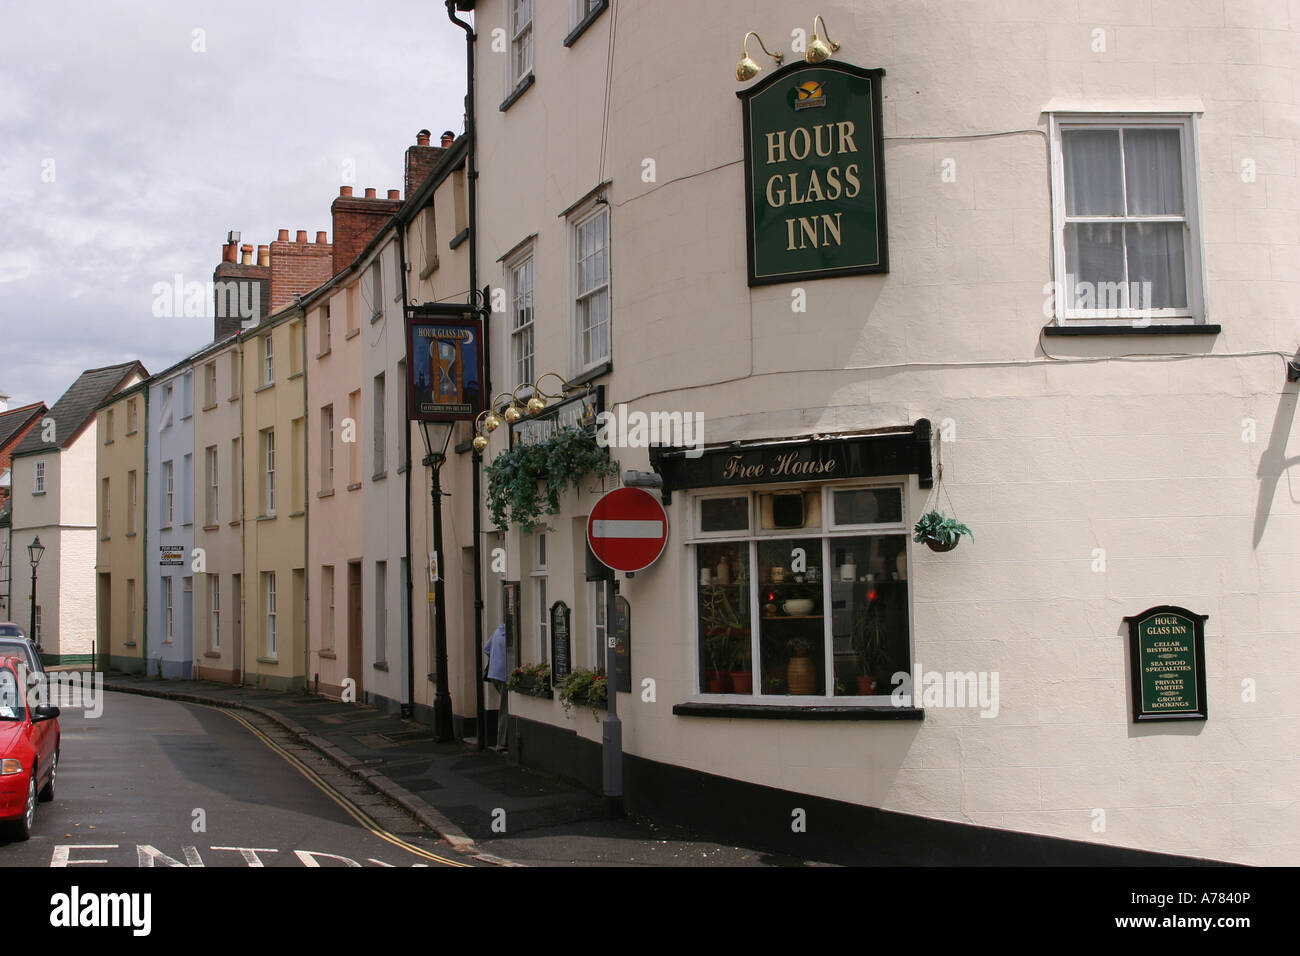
[122, 476]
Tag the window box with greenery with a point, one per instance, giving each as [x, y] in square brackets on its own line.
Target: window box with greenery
[585, 687]
[531, 680]
[527, 481]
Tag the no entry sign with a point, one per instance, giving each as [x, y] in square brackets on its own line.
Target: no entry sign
[627, 529]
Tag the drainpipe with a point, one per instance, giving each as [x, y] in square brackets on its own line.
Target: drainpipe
[471, 184]
[408, 708]
[144, 545]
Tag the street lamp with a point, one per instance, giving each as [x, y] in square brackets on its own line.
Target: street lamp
[437, 435]
[35, 551]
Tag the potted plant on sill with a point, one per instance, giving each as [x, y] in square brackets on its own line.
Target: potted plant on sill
[583, 686]
[534, 680]
[800, 673]
[938, 532]
[742, 674]
[869, 645]
[725, 627]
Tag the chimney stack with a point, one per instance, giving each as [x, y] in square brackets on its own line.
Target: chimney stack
[298, 267]
[421, 158]
[358, 218]
[240, 287]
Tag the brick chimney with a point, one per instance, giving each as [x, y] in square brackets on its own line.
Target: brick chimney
[356, 221]
[241, 289]
[298, 266]
[421, 158]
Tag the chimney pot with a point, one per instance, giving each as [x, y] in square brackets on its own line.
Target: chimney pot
[264, 255]
[394, 194]
[302, 235]
[247, 253]
[283, 236]
[448, 137]
[230, 252]
[345, 190]
[370, 192]
[422, 137]
[320, 238]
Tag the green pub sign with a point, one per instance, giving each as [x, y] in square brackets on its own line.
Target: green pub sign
[814, 173]
[1167, 660]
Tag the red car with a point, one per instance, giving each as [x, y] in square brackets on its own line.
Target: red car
[29, 750]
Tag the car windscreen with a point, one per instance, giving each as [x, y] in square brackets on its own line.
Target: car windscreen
[12, 702]
[23, 651]
[10, 630]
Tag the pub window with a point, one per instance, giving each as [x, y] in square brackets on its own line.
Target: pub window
[1126, 232]
[591, 283]
[521, 40]
[792, 610]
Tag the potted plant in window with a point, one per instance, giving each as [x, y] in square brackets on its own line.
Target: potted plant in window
[742, 676]
[939, 533]
[800, 673]
[724, 627]
[869, 645]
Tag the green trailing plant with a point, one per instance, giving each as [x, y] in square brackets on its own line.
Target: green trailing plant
[534, 680]
[583, 686]
[869, 641]
[560, 462]
[935, 528]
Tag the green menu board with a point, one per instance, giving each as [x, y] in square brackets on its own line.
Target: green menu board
[1167, 658]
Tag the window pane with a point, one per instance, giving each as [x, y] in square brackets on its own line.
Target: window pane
[1155, 265]
[869, 612]
[868, 506]
[723, 627]
[1153, 172]
[1094, 263]
[1092, 172]
[724, 514]
[792, 639]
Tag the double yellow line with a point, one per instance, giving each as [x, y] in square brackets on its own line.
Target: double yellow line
[351, 809]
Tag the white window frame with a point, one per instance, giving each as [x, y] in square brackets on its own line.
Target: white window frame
[108, 515]
[579, 10]
[1193, 238]
[539, 576]
[379, 397]
[38, 477]
[381, 612]
[375, 279]
[589, 212]
[327, 606]
[130, 611]
[272, 643]
[169, 610]
[210, 384]
[595, 630]
[268, 360]
[827, 534]
[268, 449]
[519, 64]
[214, 612]
[327, 448]
[212, 513]
[524, 367]
[132, 489]
[131, 419]
[169, 493]
[108, 427]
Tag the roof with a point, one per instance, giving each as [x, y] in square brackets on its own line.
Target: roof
[78, 404]
[12, 421]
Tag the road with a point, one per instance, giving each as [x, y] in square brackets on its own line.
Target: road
[159, 783]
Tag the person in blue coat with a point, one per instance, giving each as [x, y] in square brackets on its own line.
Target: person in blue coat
[495, 650]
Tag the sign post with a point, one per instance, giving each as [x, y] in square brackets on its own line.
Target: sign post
[626, 531]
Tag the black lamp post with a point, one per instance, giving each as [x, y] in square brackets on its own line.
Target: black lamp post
[437, 435]
[35, 551]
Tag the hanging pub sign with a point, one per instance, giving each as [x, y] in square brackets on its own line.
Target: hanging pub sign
[561, 644]
[576, 411]
[444, 359]
[1167, 660]
[814, 173]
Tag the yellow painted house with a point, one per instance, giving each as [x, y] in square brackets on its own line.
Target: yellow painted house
[274, 513]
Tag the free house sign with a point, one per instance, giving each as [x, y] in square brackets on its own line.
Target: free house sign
[1167, 660]
[814, 173]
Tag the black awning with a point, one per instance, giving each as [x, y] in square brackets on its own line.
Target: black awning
[902, 451]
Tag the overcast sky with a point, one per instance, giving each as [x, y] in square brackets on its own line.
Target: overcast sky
[156, 151]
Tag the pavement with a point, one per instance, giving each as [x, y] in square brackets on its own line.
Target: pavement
[480, 802]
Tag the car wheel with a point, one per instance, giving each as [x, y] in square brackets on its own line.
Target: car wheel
[47, 791]
[24, 824]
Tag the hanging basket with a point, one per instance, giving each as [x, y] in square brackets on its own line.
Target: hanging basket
[935, 544]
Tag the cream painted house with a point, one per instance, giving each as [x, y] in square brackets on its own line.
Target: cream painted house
[123, 517]
[1110, 456]
[54, 497]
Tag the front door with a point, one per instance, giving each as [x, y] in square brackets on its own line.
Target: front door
[354, 625]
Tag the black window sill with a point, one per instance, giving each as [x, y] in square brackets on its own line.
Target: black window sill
[587, 21]
[604, 368]
[430, 269]
[523, 87]
[459, 238]
[1152, 329]
[798, 711]
[380, 665]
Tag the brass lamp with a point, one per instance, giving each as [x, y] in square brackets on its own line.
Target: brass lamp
[818, 51]
[747, 68]
[538, 400]
[480, 439]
